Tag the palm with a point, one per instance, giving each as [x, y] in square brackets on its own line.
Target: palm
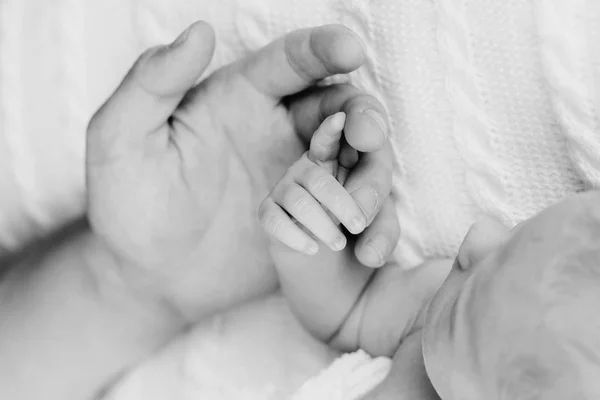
[235, 165]
[198, 180]
[174, 185]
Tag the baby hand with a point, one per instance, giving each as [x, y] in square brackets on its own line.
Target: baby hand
[310, 200]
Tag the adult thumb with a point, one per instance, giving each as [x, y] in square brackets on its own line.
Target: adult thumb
[153, 88]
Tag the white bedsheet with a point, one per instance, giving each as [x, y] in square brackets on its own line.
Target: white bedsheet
[256, 352]
[482, 123]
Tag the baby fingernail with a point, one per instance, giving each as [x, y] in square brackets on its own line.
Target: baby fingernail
[376, 249]
[367, 199]
[312, 249]
[378, 118]
[339, 243]
[357, 225]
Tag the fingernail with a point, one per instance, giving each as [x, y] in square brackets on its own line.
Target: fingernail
[367, 199]
[312, 249]
[378, 118]
[339, 243]
[376, 250]
[357, 225]
[181, 39]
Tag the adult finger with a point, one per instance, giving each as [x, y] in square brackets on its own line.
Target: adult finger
[301, 58]
[370, 181]
[375, 245]
[153, 88]
[366, 126]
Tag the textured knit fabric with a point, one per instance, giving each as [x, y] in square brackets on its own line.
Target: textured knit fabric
[494, 104]
[348, 378]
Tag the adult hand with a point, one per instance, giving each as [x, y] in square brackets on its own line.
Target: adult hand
[176, 170]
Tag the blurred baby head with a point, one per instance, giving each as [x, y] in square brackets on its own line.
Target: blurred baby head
[519, 315]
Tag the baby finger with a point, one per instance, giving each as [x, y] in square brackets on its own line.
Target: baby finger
[307, 211]
[325, 143]
[280, 226]
[331, 194]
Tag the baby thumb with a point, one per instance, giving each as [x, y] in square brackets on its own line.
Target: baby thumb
[153, 88]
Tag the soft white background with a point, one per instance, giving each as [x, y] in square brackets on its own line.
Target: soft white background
[494, 109]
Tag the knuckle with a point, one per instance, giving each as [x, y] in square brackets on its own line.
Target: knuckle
[302, 205]
[317, 149]
[317, 180]
[296, 200]
[272, 224]
[297, 60]
[269, 220]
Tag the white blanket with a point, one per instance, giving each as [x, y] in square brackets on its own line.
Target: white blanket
[257, 352]
[494, 107]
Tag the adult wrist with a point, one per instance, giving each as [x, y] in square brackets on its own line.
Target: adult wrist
[121, 283]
